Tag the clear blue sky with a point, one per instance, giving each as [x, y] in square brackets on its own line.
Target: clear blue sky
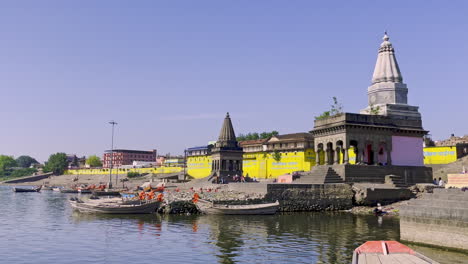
[168, 71]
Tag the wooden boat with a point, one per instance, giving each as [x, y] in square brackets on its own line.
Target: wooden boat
[36, 189]
[106, 193]
[389, 252]
[113, 206]
[68, 190]
[208, 207]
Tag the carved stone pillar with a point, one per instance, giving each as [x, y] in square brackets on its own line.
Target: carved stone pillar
[359, 154]
[345, 156]
[326, 157]
[336, 158]
[375, 156]
[389, 156]
[317, 157]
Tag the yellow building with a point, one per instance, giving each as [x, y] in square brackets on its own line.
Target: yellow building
[440, 155]
[199, 162]
[263, 158]
[124, 171]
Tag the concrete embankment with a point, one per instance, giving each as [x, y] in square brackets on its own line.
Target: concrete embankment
[28, 179]
[439, 218]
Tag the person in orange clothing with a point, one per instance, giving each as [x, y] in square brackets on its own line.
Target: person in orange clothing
[195, 198]
[141, 195]
[150, 195]
[160, 197]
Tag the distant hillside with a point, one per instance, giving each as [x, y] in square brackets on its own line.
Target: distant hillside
[454, 167]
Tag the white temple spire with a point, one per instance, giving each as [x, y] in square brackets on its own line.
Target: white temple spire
[386, 68]
[388, 95]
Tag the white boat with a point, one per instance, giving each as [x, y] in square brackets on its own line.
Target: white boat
[208, 207]
[115, 206]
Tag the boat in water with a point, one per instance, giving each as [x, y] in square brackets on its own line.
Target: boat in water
[208, 207]
[115, 206]
[33, 189]
[389, 252]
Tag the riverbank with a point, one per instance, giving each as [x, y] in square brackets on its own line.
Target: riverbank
[292, 197]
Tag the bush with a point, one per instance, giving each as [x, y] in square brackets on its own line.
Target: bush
[133, 174]
[22, 172]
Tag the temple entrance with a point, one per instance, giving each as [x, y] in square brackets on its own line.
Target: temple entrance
[369, 155]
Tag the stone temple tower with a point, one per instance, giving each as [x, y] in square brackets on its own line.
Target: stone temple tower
[226, 153]
[388, 95]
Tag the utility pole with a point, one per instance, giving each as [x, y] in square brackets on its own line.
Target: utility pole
[185, 162]
[109, 186]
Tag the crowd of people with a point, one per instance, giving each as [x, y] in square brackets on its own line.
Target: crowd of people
[235, 178]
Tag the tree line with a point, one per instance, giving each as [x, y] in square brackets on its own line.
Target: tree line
[19, 167]
[255, 135]
[23, 165]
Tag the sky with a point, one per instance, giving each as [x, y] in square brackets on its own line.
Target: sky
[168, 71]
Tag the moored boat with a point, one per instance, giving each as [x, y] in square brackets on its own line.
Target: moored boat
[115, 206]
[63, 190]
[208, 207]
[390, 252]
[105, 193]
[34, 189]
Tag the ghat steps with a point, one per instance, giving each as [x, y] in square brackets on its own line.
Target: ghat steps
[320, 175]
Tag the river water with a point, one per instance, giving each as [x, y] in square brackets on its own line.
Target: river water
[42, 228]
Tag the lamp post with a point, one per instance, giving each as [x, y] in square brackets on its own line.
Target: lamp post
[185, 162]
[109, 185]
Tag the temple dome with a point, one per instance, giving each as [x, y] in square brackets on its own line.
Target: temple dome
[386, 67]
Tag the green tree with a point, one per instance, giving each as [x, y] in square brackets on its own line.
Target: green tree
[25, 161]
[276, 156]
[57, 163]
[255, 135]
[94, 161]
[6, 162]
[335, 109]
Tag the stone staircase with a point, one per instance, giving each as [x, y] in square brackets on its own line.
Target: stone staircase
[396, 181]
[320, 175]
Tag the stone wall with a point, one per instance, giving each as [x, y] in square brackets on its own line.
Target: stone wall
[439, 218]
[366, 194]
[376, 174]
[310, 197]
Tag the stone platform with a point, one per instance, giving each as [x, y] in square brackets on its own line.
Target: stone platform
[439, 218]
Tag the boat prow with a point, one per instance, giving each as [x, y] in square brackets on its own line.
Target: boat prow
[391, 252]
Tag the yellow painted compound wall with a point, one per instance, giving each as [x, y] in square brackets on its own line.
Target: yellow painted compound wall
[263, 165]
[124, 171]
[440, 155]
[259, 165]
[199, 166]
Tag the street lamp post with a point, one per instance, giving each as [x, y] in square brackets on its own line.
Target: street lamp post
[109, 185]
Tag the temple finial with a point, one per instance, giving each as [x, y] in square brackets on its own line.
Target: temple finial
[227, 114]
[385, 37]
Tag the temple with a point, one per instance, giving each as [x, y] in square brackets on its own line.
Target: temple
[226, 154]
[384, 141]
[388, 133]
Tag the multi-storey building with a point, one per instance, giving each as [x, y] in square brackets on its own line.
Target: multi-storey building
[127, 157]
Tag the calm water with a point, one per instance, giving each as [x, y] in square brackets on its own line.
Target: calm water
[42, 228]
